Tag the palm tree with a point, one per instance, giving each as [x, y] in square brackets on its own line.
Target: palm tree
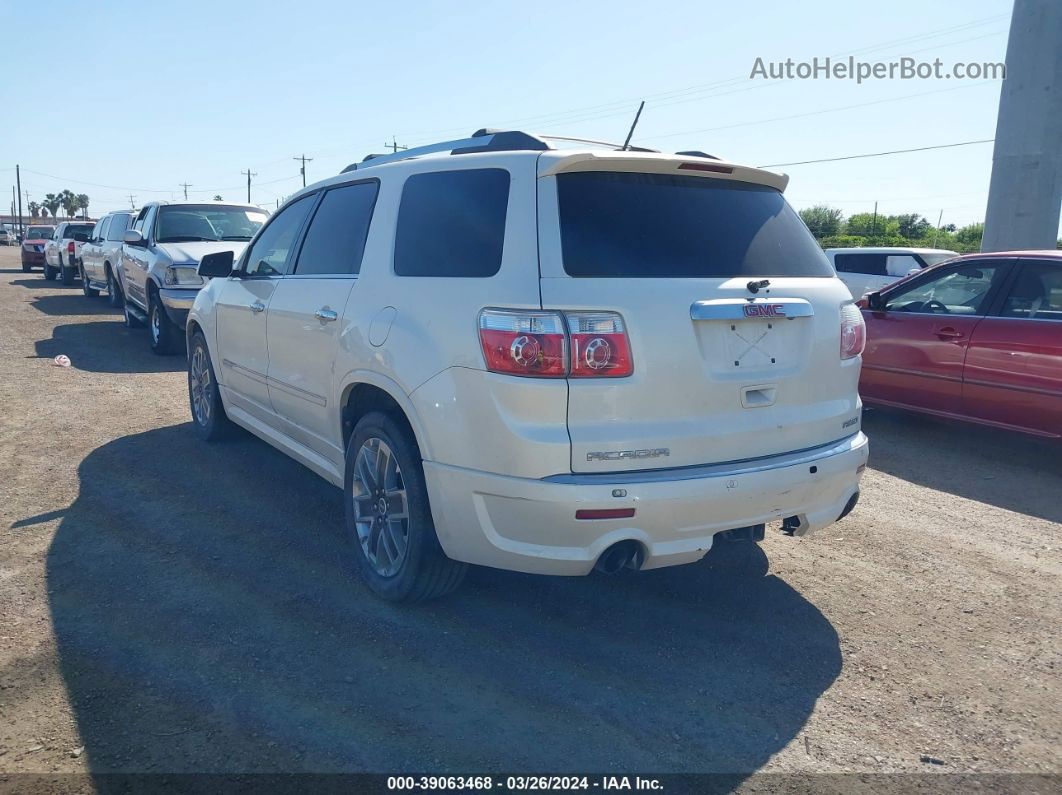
[35, 209]
[82, 204]
[69, 202]
[52, 203]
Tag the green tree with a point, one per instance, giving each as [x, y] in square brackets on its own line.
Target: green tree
[864, 224]
[34, 209]
[970, 236]
[912, 225]
[218, 198]
[83, 204]
[52, 203]
[823, 221]
[69, 202]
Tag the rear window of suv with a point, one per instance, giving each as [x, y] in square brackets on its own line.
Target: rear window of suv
[631, 225]
[73, 229]
[452, 223]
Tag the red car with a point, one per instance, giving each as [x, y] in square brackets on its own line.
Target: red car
[33, 246]
[976, 338]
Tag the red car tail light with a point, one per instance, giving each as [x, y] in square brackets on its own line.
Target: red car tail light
[524, 342]
[70, 247]
[599, 346]
[853, 331]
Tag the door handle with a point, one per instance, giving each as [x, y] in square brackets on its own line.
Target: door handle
[325, 315]
[949, 333]
[257, 307]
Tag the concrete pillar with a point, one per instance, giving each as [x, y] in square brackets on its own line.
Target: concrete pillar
[1025, 194]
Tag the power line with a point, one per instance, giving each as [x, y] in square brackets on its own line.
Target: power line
[879, 154]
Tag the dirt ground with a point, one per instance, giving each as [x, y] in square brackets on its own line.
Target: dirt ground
[170, 606]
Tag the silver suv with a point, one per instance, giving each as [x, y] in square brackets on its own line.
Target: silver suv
[161, 252]
[542, 360]
[101, 256]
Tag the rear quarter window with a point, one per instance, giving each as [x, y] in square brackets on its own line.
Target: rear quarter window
[867, 264]
[634, 225]
[452, 223]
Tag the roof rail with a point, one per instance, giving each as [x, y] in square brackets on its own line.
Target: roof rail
[484, 140]
[490, 140]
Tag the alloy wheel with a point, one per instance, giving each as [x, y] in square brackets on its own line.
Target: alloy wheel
[380, 508]
[202, 386]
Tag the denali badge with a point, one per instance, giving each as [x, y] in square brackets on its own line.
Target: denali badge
[764, 310]
[621, 455]
[851, 422]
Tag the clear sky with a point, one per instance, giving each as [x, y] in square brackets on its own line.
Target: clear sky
[141, 97]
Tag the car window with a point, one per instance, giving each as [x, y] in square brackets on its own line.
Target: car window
[452, 223]
[868, 264]
[961, 290]
[637, 225]
[149, 221]
[74, 229]
[1037, 292]
[336, 236]
[269, 253]
[119, 223]
[100, 230]
[138, 224]
[183, 223]
[899, 265]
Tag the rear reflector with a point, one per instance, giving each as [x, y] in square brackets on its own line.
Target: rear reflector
[706, 167]
[605, 513]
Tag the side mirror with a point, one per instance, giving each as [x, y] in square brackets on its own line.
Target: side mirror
[875, 303]
[81, 237]
[217, 265]
[134, 238]
[913, 271]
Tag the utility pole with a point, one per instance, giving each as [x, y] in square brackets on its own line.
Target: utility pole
[132, 202]
[186, 186]
[936, 236]
[302, 170]
[249, 174]
[874, 223]
[18, 181]
[394, 146]
[1025, 193]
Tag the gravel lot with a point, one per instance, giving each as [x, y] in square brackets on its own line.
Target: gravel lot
[171, 606]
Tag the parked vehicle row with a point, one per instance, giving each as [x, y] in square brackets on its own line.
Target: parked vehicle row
[62, 250]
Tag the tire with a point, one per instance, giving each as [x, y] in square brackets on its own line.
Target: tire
[49, 272]
[114, 291]
[26, 267]
[90, 292]
[164, 335]
[209, 419]
[421, 569]
[66, 273]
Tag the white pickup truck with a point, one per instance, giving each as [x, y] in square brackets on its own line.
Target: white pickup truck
[61, 253]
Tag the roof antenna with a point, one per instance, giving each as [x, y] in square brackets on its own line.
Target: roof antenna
[638, 115]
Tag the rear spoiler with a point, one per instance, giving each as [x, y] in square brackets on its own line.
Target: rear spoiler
[646, 163]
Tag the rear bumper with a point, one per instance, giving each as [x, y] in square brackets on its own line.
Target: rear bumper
[530, 525]
[32, 257]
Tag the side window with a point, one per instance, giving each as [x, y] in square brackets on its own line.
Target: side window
[100, 232]
[869, 264]
[138, 225]
[119, 223]
[900, 265]
[335, 240]
[97, 230]
[961, 290]
[269, 252]
[1037, 292]
[452, 223]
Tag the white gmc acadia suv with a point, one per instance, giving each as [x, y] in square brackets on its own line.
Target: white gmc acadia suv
[537, 359]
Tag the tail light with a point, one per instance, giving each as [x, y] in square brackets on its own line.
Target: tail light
[599, 345]
[853, 331]
[549, 344]
[523, 342]
[70, 247]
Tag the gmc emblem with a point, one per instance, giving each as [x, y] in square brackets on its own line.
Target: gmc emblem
[764, 310]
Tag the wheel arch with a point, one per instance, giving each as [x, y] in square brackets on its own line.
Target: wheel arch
[365, 391]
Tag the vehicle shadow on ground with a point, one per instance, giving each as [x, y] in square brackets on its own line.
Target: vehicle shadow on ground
[207, 620]
[1007, 470]
[40, 281]
[106, 347]
[72, 304]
